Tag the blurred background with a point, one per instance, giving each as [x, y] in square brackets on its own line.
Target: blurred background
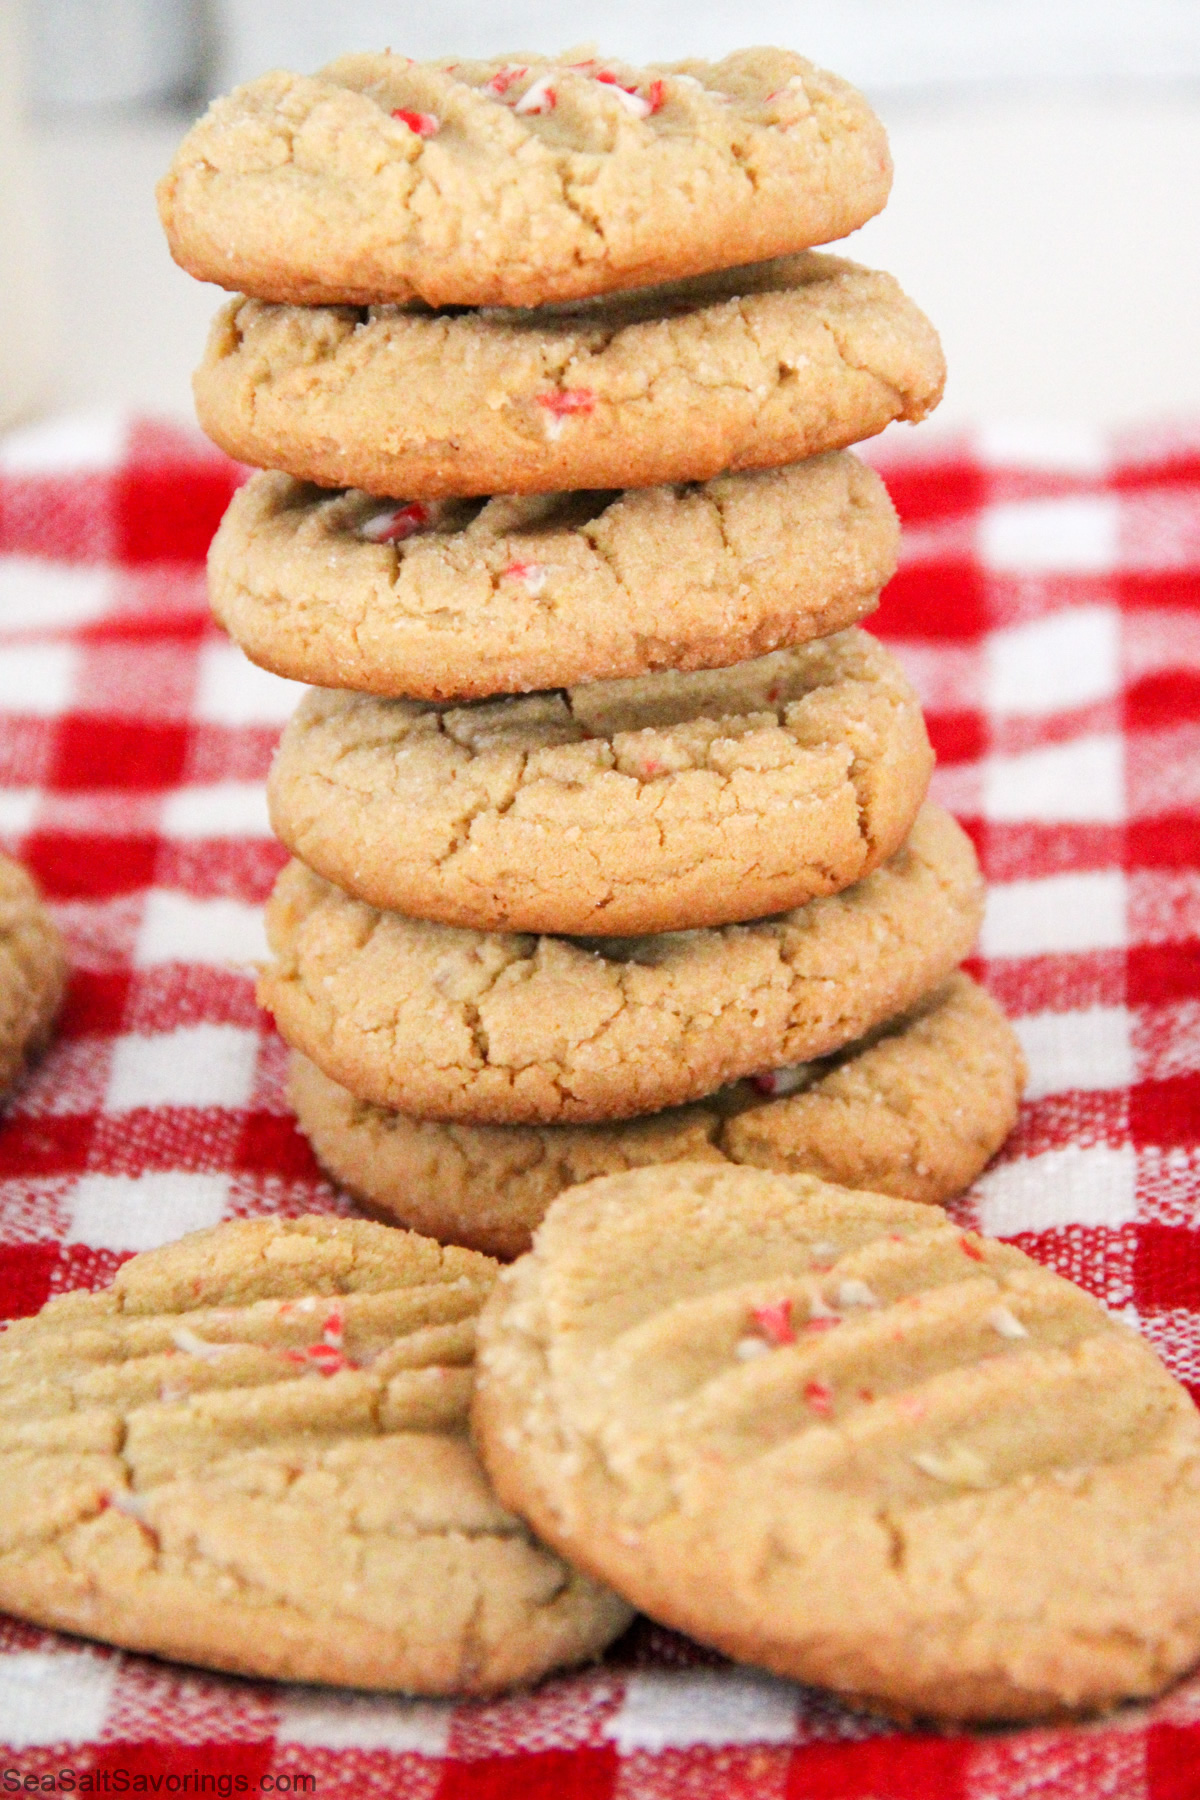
[1045, 212]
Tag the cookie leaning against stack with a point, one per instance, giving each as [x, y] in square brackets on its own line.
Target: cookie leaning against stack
[833, 1434]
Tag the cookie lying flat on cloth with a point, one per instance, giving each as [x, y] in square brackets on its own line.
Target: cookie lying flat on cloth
[746, 369]
[508, 1029]
[515, 181]
[33, 971]
[454, 600]
[658, 804]
[916, 1111]
[250, 1452]
[831, 1433]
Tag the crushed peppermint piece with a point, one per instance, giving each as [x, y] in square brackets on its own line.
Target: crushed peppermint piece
[747, 1348]
[289, 1308]
[533, 575]
[503, 79]
[122, 1501]
[1006, 1323]
[334, 1327]
[774, 1320]
[818, 1307]
[629, 97]
[794, 85]
[192, 1345]
[326, 1359]
[657, 96]
[781, 1081]
[867, 1394]
[856, 1293]
[971, 1249]
[956, 1465]
[540, 98]
[424, 124]
[398, 523]
[822, 1322]
[819, 1396]
[561, 404]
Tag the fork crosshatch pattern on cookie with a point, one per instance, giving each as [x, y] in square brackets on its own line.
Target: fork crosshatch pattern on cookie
[1047, 609]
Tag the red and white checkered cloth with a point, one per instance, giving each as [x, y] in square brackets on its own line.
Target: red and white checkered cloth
[1048, 608]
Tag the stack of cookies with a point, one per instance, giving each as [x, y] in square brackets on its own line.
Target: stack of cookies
[609, 824]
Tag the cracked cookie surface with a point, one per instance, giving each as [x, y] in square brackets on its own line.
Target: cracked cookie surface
[33, 971]
[658, 804]
[251, 1453]
[915, 1111]
[509, 1028]
[517, 180]
[749, 368]
[460, 599]
[836, 1435]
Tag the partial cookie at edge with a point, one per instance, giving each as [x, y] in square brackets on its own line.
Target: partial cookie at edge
[33, 971]
[749, 368]
[512, 1029]
[915, 1111]
[458, 600]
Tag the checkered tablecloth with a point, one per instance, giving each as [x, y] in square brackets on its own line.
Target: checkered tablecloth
[1048, 607]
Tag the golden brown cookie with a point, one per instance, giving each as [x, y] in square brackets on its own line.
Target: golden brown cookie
[915, 1110]
[749, 368]
[251, 1453]
[33, 971]
[499, 1028]
[517, 180]
[833, 1434]
[658, 804]
[455, 600]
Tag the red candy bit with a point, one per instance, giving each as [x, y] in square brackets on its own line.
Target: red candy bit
[326, 1359]
[533, 575]
[971, 1249]
[819, 1396]
[774, 1320]
[560, 405]
[629, 97]
[652, 768]
[424, 124]
[781, 1081]
[503, 79]
[569, 400]
[821, 1323]
[333, 1330]
[866, 1394]
[657, 95]
[540, 98]
[394, 527]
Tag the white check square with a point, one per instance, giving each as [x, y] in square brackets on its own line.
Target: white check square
[1077, 1185]
[178, 928]
[1059, 913]
[140, 1212]
[198, 1065]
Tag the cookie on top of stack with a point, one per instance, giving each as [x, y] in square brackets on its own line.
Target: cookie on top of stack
[609, 823]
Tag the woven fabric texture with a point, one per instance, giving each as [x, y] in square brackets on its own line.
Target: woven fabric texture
[1048, 609]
